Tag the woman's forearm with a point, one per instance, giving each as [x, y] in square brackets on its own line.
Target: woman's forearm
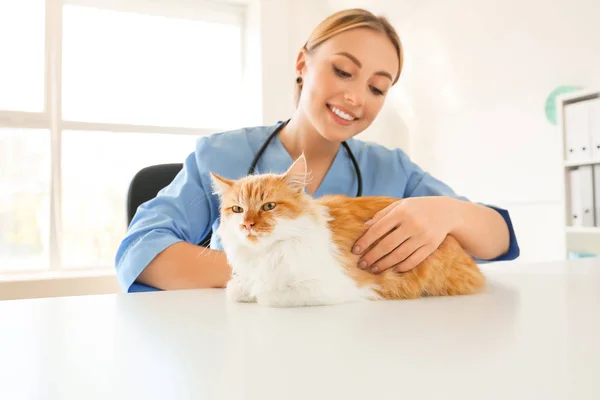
[481, 230]
[187, 266]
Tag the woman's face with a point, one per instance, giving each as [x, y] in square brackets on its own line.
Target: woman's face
[345, 81]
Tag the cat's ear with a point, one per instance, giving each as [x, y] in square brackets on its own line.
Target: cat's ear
[220, 184]
[297, 174]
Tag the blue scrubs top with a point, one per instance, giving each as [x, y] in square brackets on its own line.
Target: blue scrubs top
[187, 210]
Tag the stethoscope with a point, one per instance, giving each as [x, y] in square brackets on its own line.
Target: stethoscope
[277, 130]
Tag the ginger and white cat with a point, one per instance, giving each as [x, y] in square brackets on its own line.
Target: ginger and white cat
[288, 249]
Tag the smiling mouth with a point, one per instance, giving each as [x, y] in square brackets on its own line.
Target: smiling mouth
[341, 114]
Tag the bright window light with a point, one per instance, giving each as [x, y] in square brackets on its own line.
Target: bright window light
[22, 41]
[128, 68]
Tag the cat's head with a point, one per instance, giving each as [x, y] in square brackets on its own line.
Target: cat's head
[258, 209]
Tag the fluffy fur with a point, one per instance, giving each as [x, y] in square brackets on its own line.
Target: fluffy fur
[288, 249]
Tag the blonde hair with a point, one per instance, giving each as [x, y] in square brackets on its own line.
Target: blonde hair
[345, 20]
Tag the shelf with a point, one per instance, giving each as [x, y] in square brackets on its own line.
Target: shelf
[578, 163]
[580, 241]
[583, 229]
[579, 95]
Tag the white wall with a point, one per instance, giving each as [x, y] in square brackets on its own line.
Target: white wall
[270, 60]
[473, 93]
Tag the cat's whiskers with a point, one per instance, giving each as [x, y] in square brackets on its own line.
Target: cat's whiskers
[203, 197]
[202, 251]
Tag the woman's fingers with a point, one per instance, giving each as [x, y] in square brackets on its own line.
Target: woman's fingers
[384, 248]
[376, 231]
[398, 255]
[382, 213]
[414, 259]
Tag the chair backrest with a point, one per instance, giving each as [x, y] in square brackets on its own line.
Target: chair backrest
[146, 184]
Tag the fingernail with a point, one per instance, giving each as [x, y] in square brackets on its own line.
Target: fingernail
[374, 270]
[362, 264]
[356, 250]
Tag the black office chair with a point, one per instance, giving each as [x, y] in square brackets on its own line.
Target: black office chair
[144, 186]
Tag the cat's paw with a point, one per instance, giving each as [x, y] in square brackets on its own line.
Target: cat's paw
[271, 299]
[237, 291]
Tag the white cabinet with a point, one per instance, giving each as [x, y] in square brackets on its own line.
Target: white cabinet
[578, 117]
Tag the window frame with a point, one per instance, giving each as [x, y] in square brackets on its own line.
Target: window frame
[50, 117]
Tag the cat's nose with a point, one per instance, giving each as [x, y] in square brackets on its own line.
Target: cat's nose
[248, 224]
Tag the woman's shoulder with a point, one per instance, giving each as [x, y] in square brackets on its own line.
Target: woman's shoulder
[240, 138]
[380, 157]
[229, 153]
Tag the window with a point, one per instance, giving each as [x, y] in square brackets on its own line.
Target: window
[149, 69]
[92, 229]
[91, 91]
[24, 198]
[22, 40]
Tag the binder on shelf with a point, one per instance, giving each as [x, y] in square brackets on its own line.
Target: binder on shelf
[577, 132]
[597, 193]
[594, 127]
[581, 193]
[587, 194]
[575, 204]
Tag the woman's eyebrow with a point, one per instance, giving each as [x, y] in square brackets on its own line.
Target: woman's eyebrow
[355, 61]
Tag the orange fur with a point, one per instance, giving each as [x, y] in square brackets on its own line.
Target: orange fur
[252, 192]
[447, 271]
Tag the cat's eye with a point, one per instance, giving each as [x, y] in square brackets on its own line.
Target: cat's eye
[237, 209]
[268, 206]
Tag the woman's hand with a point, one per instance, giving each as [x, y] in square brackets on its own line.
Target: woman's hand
[411, 229]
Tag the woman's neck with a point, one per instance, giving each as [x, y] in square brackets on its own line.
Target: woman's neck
[299, 136]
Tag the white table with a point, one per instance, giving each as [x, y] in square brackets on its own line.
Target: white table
[535, 334]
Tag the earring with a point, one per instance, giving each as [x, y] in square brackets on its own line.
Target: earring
[299, 80]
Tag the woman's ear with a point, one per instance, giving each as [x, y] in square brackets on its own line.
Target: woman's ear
[301, 62]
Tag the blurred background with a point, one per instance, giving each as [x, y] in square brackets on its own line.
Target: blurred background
[91, 91]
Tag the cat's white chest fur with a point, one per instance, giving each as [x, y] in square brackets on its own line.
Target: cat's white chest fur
[294, 266]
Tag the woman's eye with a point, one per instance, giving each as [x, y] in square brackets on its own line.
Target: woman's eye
[268, 206]
[376, 91]
[237, 209]
[341, 73]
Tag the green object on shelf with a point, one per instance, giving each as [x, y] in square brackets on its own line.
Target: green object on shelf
[573, 255]
[551, 101]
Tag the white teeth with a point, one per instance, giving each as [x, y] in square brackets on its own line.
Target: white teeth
[341, 114]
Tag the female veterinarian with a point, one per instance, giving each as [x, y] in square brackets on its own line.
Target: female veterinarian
[344, 73]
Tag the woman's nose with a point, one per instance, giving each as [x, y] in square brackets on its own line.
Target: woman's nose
[355, 97]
